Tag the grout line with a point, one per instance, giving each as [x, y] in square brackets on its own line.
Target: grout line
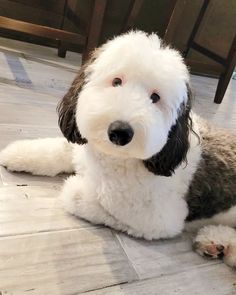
[42, 232]
[119, 241]
[102, 288]
[146, 279]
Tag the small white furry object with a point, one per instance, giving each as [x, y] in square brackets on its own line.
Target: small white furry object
[145, 164]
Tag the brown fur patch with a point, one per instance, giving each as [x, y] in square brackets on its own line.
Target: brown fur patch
[175, 150]
[213, 188]
[67, 107]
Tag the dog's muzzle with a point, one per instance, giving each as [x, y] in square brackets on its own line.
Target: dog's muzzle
[120, 133]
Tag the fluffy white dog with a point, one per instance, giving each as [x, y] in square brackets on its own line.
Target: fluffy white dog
[144, 163]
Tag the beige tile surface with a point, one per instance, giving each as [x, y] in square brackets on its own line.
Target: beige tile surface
[33, 209]
[28, 114]
[23, 96]
[63, 262]
[208, 280]
[222, 115]
[158, 258]
[21, 179]
[12, 132]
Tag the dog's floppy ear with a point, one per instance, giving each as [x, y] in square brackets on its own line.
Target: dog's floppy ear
[67, 108]
[175, 150]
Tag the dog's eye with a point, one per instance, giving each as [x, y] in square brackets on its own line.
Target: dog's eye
[154, 97]
[116, 82]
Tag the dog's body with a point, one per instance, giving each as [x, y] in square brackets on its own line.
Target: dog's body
[142, 167]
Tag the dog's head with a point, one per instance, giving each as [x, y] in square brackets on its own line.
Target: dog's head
[131, 100]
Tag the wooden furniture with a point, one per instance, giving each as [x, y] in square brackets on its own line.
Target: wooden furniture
[227, 64]
[175, 14]
[88, 40]
[133, 12]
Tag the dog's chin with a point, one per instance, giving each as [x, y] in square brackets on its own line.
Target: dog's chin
[129, 151]
[114, 151]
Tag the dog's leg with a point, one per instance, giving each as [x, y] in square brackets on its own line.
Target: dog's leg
[46, 156]
[217, 241]
[79, 198]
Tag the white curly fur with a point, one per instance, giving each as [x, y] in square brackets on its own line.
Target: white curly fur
[111, 185]
[45, 156]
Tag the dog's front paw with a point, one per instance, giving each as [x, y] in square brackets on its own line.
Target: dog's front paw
[217, 242]
[79, 198]
[11, 156]
[72, 196]
[210, 250]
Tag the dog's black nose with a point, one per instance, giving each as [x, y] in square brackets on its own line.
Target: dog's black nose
[120, 133]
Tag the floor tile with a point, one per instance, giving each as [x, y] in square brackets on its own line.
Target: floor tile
[20, 179]
[158, 258]
[210, 280]
[33, 209]
[65, 262]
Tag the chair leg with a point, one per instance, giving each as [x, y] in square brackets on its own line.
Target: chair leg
[61, 52]
[222, 85]
[221, 89]
[226, 76]
[61, 49]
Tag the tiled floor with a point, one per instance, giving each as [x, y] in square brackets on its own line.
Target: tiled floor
[43, 250]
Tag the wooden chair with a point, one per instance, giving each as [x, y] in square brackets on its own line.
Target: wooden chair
[88, 40]
[228, 63]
